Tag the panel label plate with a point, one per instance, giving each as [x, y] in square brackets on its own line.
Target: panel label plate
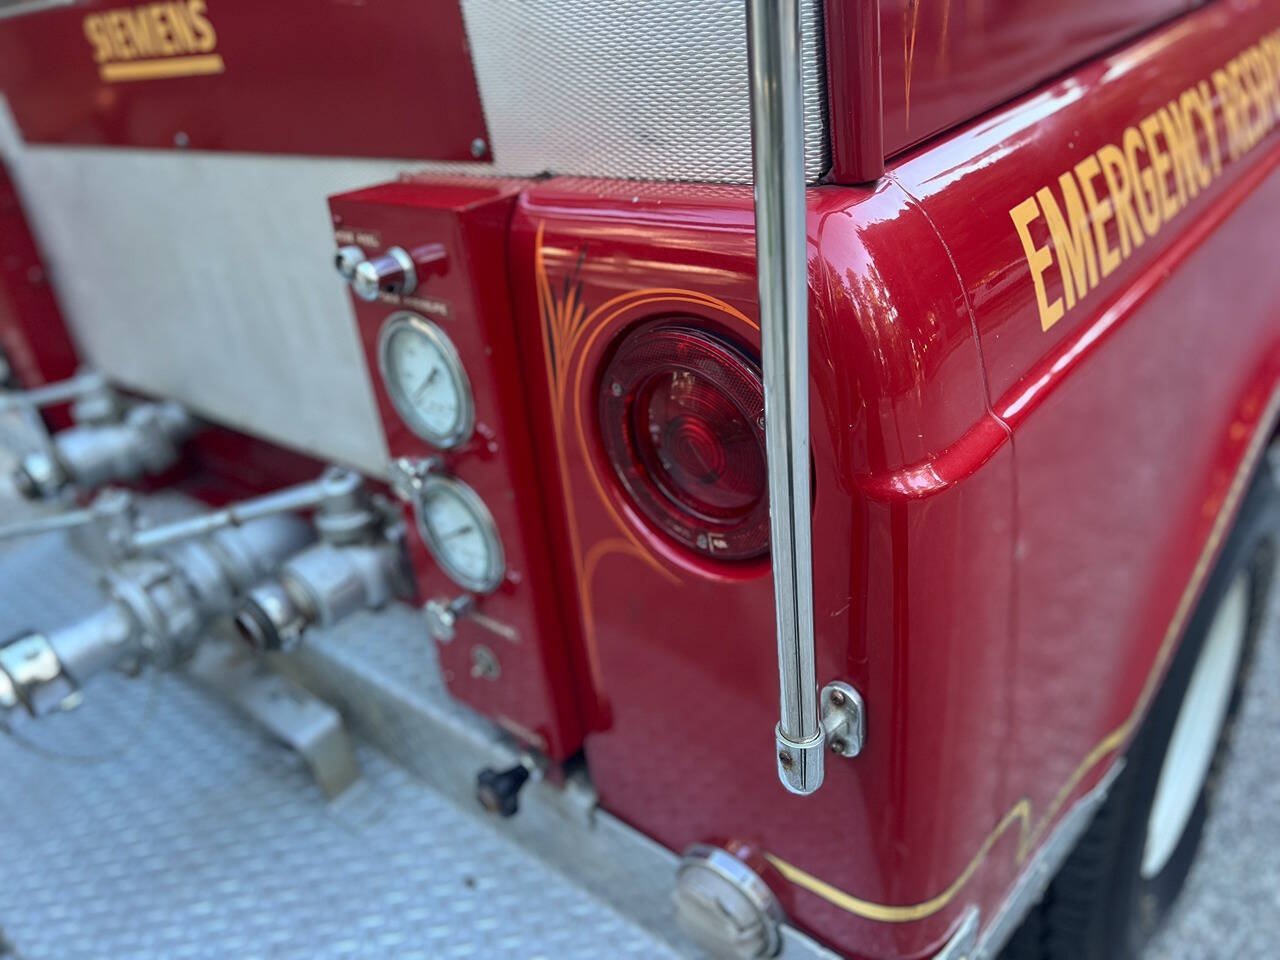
[381, 78]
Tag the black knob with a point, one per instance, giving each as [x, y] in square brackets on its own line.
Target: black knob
[499, 790]
[25, 484]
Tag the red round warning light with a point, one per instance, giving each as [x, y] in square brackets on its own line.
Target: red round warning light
[682, 416]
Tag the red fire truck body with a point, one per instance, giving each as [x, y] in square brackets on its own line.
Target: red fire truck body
[1044, 364]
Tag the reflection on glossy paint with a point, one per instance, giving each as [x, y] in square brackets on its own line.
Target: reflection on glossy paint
[946, 62]
[911, 26]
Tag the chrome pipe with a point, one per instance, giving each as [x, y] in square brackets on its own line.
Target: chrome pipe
[777, 141]
[61, 391]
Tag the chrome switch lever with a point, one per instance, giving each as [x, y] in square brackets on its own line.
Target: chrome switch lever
[395, 272]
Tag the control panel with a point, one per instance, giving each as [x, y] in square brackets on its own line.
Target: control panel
[426, 264]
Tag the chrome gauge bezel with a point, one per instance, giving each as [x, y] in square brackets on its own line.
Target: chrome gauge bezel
[497, 564]
[409, 415]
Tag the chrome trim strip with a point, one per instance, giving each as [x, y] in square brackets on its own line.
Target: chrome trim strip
[1044, 866]
[961, 944]
[777, 140]
[17, 8]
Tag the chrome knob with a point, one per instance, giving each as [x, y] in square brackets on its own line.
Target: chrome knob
[443, 615]
[392, 273]
[347, 259]
[39, 476]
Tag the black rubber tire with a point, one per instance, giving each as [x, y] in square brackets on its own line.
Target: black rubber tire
[1099, 907]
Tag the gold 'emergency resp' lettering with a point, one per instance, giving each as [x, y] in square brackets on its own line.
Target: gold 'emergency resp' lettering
[1110, 203]
[174, 38]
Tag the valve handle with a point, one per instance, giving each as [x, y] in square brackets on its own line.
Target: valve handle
[332, 484]
[111, 506]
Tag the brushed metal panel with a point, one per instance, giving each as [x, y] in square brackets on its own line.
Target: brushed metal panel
[208, 278]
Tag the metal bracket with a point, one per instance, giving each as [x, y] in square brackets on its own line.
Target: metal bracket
[406, 475]
[844, 719]
[304, 722]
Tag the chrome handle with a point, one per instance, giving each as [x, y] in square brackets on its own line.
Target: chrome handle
[777, 139]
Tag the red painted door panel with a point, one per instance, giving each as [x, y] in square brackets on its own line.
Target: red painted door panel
[913, 511]
[1123, 283]
[1006, 537]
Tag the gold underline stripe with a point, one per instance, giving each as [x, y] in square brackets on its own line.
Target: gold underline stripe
[1019, 814]
[195, 66]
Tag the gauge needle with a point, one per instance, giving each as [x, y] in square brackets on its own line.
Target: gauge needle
[457, 533]
[431, 378]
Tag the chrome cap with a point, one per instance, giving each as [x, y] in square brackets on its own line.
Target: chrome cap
[726, 907]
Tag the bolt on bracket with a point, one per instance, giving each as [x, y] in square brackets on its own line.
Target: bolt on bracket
[844, 719]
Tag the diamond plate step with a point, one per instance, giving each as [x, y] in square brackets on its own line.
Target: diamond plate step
[155, 821]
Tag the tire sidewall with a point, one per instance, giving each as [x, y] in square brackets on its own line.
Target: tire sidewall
[1139, 904]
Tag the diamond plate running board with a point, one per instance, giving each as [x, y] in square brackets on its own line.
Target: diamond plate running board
[155, 821]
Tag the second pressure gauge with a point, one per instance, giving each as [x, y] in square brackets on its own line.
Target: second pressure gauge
[425, 379]
[459, 530]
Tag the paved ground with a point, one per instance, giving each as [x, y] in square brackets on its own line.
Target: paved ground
[1230, 909]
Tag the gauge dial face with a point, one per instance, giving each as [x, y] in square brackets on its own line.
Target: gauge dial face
[425, 379]
[459, 530]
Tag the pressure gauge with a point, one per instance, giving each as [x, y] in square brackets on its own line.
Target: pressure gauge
[459, 530]
[425, 379]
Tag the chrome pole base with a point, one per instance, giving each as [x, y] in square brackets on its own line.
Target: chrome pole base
[801, 763]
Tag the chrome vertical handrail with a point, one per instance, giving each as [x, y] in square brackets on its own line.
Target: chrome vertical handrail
[777, 135]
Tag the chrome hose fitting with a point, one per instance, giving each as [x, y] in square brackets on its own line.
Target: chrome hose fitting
[145, 441]
[32, 678]
[359, 564]
[156, 610]
[319, 587]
